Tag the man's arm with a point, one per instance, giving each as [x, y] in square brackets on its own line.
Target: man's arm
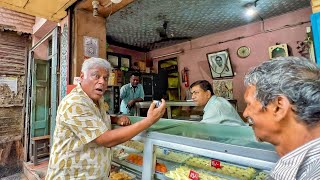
[114, 137]
[132, 102]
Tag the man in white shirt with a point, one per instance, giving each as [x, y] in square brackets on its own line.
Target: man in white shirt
[283, 108]
[217, 110]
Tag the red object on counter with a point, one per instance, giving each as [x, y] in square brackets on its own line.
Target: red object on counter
[70, 87]
[193, 175]
[216, 164]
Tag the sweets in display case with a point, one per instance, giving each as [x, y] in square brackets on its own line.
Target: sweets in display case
[121, 175]
[183, 172]
[138, 160]
[226, 169]
[172, 155]
[119, 153]
[261, 176]
[136, 145]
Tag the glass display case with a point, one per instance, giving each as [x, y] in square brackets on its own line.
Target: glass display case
[173, 149]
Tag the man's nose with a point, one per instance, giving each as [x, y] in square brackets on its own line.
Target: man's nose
[245, 113]
[102, 80]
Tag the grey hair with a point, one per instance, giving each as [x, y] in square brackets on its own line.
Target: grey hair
[294, 77]
[95, 63]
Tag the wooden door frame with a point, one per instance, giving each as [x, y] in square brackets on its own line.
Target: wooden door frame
[54, 34]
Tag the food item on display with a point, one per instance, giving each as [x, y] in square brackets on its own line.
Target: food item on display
[172, 155]
[182, 173]
[261, 176]
[138, 160]
[120, 154]
[120, 176]
[179, 173]
[135, 159]
[200, 163]
[134, 145]
[227, 169]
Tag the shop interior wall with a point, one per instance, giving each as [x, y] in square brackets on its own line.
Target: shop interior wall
[135, 55]
[86, 25]
[287, 28]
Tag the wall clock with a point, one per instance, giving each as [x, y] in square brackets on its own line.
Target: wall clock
[243, 51]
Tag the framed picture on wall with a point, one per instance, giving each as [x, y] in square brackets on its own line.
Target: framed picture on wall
[91, 46]
[118, 61]
[223, 88]
[220, 64]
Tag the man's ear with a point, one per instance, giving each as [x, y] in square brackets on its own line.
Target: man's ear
[81, 76]
[208, 93]
[281, 107]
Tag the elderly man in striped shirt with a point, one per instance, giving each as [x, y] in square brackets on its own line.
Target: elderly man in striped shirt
[283, 108]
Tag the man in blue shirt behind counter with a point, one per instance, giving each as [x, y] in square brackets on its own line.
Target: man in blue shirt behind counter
[130, 94]
[217, 110]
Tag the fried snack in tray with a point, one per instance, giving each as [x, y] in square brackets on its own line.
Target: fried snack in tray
[134, 145]
[182, 173]
[120, 176]
[226, 169]
[261, 176]
[138, 160]
[172, 155]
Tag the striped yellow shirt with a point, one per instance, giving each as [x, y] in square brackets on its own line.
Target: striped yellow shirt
[74, 155]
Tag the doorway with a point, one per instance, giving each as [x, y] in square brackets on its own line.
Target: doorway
[41, 100]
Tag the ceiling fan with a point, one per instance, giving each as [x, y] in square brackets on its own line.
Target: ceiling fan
[165, 37]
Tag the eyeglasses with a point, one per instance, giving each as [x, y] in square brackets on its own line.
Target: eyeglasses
[250, 121]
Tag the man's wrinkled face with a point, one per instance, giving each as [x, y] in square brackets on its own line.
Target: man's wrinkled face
[199, 96]
[94, 82]
[134, 80]
[263, 123]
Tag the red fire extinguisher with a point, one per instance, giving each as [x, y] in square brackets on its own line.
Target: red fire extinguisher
[185, 78]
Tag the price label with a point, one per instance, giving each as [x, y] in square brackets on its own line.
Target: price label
[194, 175]
[216, 164]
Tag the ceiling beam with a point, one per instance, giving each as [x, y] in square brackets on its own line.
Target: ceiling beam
[106, 7]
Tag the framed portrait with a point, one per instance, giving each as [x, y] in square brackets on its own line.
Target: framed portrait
[220, 64]
[223, 88]
[91, 46]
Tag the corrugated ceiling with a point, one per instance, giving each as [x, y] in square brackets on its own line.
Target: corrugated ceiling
[139, 24]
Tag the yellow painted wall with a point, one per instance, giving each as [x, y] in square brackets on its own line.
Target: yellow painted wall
[315, 6]
[86, 25]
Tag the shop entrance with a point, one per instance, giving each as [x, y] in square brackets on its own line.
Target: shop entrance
[42, 87]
